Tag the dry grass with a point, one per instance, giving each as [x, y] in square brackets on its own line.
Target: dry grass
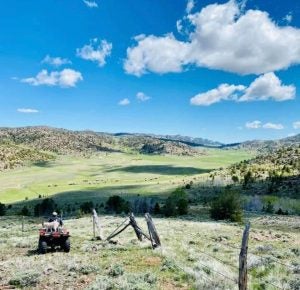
[193, 256]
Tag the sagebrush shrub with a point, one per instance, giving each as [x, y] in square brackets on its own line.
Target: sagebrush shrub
[227, 206]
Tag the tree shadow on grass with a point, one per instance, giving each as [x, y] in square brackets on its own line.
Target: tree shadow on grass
[161, 169]
[43, 164]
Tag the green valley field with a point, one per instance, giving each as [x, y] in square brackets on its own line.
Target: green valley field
[103, 174]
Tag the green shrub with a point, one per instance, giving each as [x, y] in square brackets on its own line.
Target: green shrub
[25, 279]
[117, 204]
[227, 207]
[87, 207]
[182, 206]
[2, 209]
[25, 211]
[156, 209]
[116, 270]
[46, 207]
[176, 203]
[269, 208]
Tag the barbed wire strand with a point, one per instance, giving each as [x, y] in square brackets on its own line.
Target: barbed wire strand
[223, 262]
[276, 260]
[204, 265]
[276, 286]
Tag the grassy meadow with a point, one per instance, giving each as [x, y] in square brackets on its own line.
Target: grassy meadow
[95, 178]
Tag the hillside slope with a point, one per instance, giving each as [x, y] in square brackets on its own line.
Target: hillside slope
[63, 141]
[59, 141]
[276, 173]
[12, 156]
[267, 145]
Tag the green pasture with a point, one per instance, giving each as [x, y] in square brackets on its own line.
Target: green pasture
[78, 178]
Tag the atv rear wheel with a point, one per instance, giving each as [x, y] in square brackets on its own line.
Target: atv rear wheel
[43, 247]
[66, 245]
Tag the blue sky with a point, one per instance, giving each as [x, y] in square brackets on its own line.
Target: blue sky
[227, 71]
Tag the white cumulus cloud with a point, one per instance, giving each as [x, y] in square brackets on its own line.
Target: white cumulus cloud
[55, 61]
[65, 78]
[142, 97]
[124, 102]
[96, 51]
[296, 125]
[264, 87]
[273, 126]
[223, 92]
[156, 54]
[221, 36]
[27, 110]
[258, 124]
[268, 86]
[253, 125]
[90, 4]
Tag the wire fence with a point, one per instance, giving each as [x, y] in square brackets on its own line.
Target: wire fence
[208, 269]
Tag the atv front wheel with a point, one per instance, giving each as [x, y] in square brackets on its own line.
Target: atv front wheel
[43, 247]
[66, 245]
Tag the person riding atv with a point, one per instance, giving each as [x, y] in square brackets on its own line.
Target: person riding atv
[55, 218]
[53, 235]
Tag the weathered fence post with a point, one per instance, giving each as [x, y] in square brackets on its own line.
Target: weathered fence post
[97, 223]
[94, 233]
[22, 224]
[155, 241]
[243, 259]
[135, 226]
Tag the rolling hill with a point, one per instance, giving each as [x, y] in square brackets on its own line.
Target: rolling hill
[41, 143]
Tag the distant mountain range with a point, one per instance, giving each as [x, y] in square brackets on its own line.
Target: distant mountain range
[267, 145]
[35, 144]
[18, 145]
[191, 141]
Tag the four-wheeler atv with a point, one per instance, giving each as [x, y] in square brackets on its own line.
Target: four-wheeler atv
[53, 235]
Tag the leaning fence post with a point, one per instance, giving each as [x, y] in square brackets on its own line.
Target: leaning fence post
[155, 241]
[243, 259]
[135, 226]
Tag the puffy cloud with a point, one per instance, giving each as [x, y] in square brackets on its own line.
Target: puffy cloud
[265, 87]
[55, 61]
[258, 124]
[96, 51]
[65, 78]
[223, 92]
[273, 126]
[124, 102]
[90, 4]
[156, 54]
[253, 125]
[142, 97]
[27, 110]
[268, 86]
[222, 36]
[296, 125]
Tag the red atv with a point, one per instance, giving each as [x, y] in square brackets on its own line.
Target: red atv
[53, 235]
